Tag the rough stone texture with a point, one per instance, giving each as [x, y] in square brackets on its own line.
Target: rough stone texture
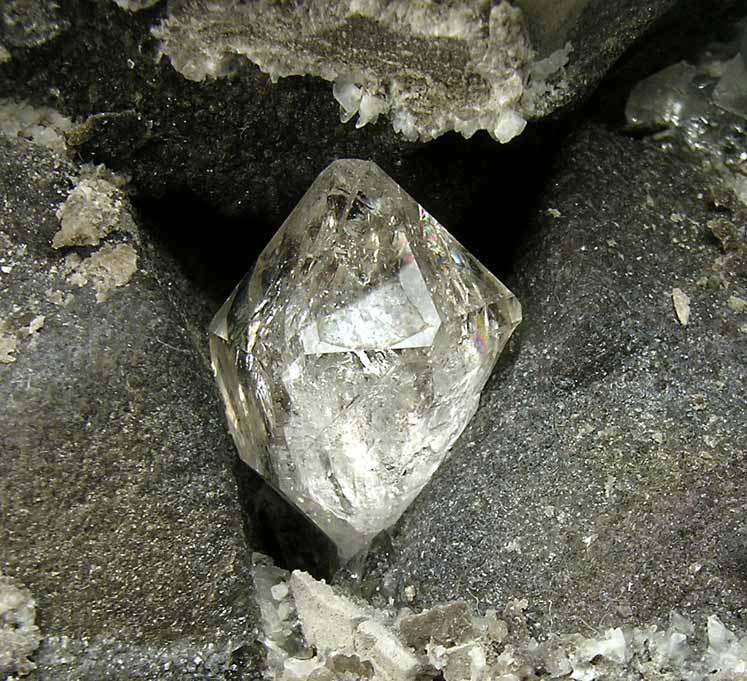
[612, 484]
[30, 23]
[118, 505]
[604, 478]
[429, 67]
[19, 635]
[453, 643]
[599, 32]
[241, 143]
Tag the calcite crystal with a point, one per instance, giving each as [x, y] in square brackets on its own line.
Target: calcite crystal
[430, 67]
[312, 631]
[353, 354]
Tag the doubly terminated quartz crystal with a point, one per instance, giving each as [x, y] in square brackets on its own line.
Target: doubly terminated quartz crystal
[353, 354]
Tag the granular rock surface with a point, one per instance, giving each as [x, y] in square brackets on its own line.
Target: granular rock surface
[604, 478]
[118, 504]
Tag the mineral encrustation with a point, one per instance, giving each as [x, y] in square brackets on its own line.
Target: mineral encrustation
[353, 354]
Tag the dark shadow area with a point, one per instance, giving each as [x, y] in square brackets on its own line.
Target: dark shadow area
[213, 251]
[276, 528]
[485, 193]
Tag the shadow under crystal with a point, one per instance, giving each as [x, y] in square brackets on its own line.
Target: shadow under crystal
[280, 530]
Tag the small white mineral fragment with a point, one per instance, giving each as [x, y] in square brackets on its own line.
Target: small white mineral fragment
[135, 5]
[391, 660]
[681, 303]
[19, 635]
[727, 653]
[737, 304]
[612, 645]
[329, 619]
[36, 324]
[92, 210]
[8, 343]
[40, 125]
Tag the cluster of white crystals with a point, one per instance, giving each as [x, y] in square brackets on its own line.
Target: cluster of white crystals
[40, 125]
[430, 67]
[353, 354]
[315, 632]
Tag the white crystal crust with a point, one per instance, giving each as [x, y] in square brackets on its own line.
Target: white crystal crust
[353, 354]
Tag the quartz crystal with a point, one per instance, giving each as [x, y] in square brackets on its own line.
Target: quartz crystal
[353, 354]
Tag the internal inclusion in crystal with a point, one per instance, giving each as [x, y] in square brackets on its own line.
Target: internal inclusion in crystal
[353, 354]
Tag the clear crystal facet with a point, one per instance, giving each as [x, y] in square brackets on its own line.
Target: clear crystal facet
[353, 354]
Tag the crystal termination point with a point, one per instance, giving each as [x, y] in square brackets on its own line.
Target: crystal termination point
[352, 355]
